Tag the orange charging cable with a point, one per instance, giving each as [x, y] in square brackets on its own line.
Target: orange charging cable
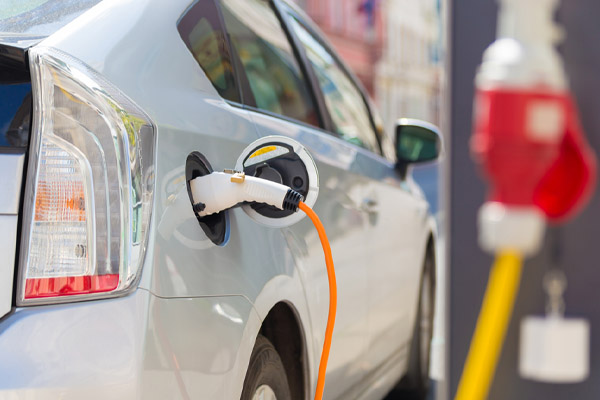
[332, 297]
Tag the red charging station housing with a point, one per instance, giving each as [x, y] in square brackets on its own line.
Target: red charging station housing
[533, 151]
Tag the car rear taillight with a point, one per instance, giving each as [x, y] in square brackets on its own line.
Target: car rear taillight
[90, 185]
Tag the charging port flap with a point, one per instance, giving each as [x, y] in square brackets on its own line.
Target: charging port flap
[214, 225]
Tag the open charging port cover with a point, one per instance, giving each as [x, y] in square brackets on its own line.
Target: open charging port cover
[215, 225]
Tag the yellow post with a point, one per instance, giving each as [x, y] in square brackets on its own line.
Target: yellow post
[492, 324]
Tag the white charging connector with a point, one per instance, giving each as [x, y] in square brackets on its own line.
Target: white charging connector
[219, 191]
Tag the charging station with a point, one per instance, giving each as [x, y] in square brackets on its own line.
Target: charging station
[569, 248]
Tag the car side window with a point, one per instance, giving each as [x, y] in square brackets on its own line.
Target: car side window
[266, 56]
[344, 101]
[202, 31]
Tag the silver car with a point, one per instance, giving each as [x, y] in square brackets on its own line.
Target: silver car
[109, 286]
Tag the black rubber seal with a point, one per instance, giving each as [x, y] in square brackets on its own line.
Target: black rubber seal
[291, 200]
[215, 225]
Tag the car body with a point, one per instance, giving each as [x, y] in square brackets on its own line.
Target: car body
[184, 323]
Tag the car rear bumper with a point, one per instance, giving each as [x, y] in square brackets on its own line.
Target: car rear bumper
[135, 347]
[73, 351]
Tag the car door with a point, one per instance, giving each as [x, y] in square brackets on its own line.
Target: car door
[202, 118]
[387, 200]
[397, 250]
[280, 101]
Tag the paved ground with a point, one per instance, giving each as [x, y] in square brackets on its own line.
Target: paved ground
[400, 395]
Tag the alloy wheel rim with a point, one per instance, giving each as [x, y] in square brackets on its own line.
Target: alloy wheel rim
[264, 392]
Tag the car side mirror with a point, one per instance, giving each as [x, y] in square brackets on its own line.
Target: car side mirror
[416, 142]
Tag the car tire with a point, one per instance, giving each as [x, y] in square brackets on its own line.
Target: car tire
[265, 378]
[415, 384]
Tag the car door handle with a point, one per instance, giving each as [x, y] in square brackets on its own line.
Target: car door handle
[369, 206]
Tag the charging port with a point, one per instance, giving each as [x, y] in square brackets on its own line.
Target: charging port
[277, 162]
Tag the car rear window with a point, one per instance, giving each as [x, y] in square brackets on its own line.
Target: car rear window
[40, 17]
[15, 114]
[201, 29]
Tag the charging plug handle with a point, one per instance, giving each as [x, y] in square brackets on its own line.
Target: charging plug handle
[219, 191]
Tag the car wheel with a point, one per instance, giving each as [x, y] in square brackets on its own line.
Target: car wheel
[265, 378]
[416, 381]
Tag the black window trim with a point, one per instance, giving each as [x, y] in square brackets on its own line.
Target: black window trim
[326, 123]
[247, 100]
[287, 12]
[239, 74]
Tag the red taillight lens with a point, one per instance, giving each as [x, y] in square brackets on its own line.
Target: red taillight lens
[67, 286]
[86, 224]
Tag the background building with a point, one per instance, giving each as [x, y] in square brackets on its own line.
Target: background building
[393, 46]
[409, 74]
[356, 28]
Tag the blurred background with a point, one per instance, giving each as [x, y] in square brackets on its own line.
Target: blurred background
[397, 48]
